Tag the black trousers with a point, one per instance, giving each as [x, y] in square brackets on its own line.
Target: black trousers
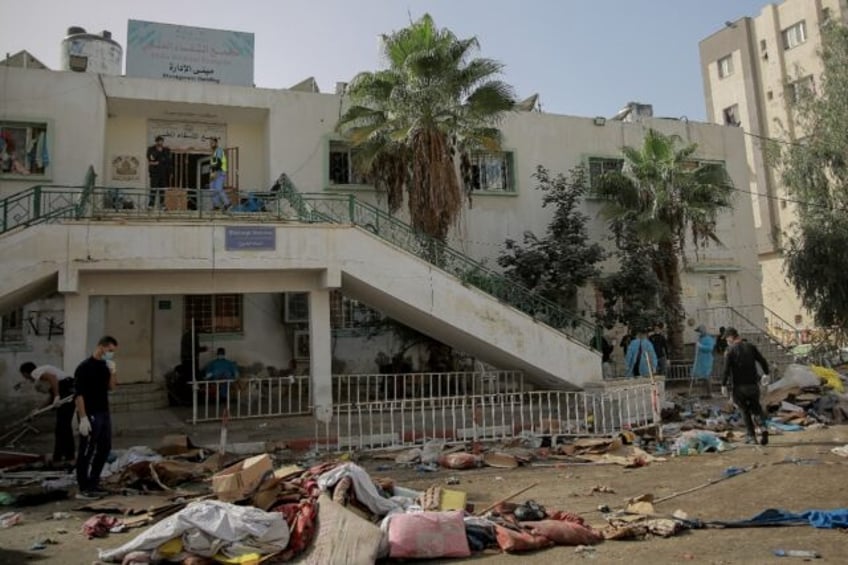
[93, 451]
[63, 443]
[747, 398]
[157, 183]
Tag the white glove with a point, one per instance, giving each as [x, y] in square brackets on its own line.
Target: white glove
[764, 380]
[724, 391]
[57, 401]
[84, 427]
[112, 366]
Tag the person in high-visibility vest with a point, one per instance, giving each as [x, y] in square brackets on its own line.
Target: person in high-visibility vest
[217, 176]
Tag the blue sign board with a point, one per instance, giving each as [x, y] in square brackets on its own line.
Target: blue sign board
[253, 238]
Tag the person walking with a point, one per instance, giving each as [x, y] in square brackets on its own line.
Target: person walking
[702, 368]
[60, 386]
[217, 176]
[740, 372]
[159, 171]
[94, 378]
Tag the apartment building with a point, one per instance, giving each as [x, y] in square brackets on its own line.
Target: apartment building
[753, 70]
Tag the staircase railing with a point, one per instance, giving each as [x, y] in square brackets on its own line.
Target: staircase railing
[349, 209]
[780, 330]
[44, 203]
[741, 318]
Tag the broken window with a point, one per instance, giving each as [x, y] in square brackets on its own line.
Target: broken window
[725, 66]
[600, 166]
[12, 327]
[491, 171]
[214, 313]
[342, 170]
[731, 115]
[794, 35]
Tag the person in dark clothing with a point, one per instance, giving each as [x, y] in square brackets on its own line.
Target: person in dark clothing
[660, 344]
[740, 371]
[600, 343]
[159, 170]
[94, 378]
[60, 386]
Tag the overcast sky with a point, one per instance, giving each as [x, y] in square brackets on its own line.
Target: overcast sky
[584, 57]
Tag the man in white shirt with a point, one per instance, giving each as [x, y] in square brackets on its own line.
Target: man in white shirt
[60, 386]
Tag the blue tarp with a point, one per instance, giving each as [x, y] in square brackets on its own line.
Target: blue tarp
[825, 519]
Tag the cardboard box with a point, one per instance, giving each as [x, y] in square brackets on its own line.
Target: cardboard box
[238, 481]
[176, 199]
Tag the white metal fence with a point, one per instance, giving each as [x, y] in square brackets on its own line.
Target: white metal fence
[290, 396]
[486, 417]
[250, 398]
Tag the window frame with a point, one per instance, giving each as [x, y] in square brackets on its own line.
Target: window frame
[29, 124]
[508, 155]
[730, 69]
[13, 333]
[795, 88]
[731, 111]
[794, 35]
[590, 178]
[329, 184]
[202, 326]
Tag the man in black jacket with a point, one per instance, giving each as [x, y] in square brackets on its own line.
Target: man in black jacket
[740, 370]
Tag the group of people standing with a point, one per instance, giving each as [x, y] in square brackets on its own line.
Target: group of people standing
[744, 370]
[160, 171]
[85, 394]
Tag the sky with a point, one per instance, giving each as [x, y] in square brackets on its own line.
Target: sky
[583, 57]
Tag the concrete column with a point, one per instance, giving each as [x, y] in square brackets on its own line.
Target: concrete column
[76, 330]
[320, 355]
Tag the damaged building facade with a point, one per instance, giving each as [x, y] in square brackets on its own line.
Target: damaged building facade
[283, 296]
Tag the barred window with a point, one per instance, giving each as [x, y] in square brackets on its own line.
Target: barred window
[12, 327]
[347, 313]
[214, 313]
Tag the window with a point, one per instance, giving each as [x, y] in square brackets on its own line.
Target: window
[601, 165]
[347, 313]
[491, 171]
[12, 327]
[214, 313]
[725, 66]
[770, 95]
[825, 15]
[731, 115]
[297, 307]
[24, 148]
[801, 88]
[795, 35]
[341, 169]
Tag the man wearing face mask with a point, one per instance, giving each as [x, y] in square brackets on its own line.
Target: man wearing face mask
[94, 378]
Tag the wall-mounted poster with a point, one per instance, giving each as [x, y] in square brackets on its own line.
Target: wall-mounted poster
[126, 168]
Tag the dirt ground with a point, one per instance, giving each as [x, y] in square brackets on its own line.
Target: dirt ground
[818, 481]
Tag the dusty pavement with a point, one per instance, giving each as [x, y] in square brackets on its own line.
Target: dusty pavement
[818, 480]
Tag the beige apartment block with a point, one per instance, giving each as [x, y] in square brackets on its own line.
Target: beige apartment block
[753, 70]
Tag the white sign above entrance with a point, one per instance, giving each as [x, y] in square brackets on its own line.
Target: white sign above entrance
[193, 54]
[187, 137]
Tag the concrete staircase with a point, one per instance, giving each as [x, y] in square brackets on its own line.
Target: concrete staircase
[138, 397]
[750, 322]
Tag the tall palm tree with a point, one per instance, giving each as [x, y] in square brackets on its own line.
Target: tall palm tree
[432, 103]
[666, 196]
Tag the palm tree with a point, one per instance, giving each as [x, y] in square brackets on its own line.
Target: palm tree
[666, 196]
[408, 121]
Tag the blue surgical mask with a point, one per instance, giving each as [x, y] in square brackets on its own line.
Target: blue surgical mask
[108, 355]
[222, 356]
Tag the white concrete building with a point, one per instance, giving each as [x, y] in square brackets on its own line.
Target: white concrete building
[752, 71]
[142, 275]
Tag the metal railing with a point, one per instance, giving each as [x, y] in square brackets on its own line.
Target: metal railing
[781, 331]
[40, 204]
[348, 209]
[240, 399]
[355, 389]
[497, 417]
[44, 203]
